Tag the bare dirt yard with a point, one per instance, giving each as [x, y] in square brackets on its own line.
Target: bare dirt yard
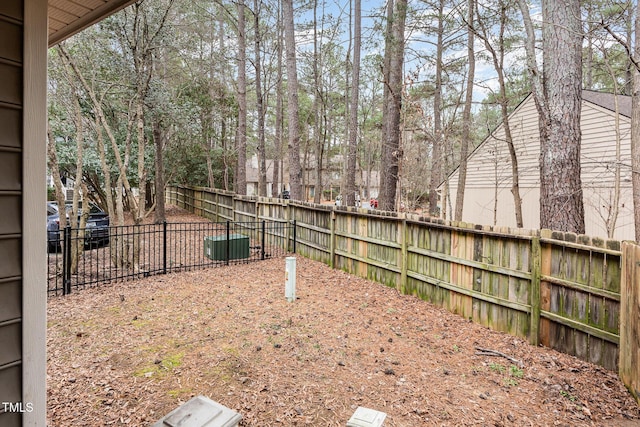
[129, 353]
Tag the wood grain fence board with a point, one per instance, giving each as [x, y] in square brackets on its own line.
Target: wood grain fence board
[462, 275]
[596, 350]
[546, 254]
[613, 269]
[534, 291]
[596, 269]
[611, 356]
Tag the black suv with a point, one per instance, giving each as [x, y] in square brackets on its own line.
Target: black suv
[97, 228]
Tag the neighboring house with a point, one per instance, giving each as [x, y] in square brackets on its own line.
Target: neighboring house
[27, 29]
[488, 197]
[68, 184]
[253, 172]
[367, 182]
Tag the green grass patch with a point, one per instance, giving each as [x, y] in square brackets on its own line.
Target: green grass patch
[161, 368]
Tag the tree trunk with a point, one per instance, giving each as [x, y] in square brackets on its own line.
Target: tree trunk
[159, 142]
[350, 181]
[561, 203]
[437, 149]
[241, 131]
[262, 161]
[317, 99]
[558, 96]
[498, 63]
[391, 152]
[466, 114]
[279, 113]
[57, 181]
[385, 176]
[295, 170]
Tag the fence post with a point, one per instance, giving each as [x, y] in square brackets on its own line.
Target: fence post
[164, 247]
[629, 321]
[534, 294]
[217, 203]
[294, 236]
[404, 253]
[227, 244]
[263, 239]
[66, 260]
[287, 229]
[332, 239]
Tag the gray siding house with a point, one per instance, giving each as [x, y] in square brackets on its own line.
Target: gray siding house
[27, 29]
[605, 124]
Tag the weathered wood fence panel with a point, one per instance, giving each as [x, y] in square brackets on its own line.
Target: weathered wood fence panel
[580, 287]
[313, 234]
[555, 289]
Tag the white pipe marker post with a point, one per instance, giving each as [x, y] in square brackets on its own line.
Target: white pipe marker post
[290, 279]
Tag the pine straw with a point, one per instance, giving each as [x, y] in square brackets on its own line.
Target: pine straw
[127, 354]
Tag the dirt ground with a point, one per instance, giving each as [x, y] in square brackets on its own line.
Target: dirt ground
[129, 353]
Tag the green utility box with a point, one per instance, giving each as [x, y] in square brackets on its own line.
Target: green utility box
[215, 247]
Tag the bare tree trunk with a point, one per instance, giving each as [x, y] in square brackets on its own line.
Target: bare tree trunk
[139, 214]
[498, 63]
[558, 97]
[317, 99]
[295, 170]
[277, 161]
[385, 176]
[159, 142]
[350, 182]
[78, 221]
[437, 149]
[57, 182]
[466, 114]
[262, 161]
[241, 131]
[561, 203]
[391, 152]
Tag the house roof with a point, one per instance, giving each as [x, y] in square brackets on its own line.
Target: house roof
[68, 17]
[607, 100]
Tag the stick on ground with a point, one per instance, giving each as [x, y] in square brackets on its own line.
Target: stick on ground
[489, 352]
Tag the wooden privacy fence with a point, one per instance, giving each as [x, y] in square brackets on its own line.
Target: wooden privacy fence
[557, 289]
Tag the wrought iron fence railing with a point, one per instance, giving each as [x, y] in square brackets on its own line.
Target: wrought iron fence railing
[84, 258]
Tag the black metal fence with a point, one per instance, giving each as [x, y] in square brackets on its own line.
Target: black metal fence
[134, 251]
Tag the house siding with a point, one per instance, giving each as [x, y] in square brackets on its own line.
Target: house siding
[489, 172]
[11, 156]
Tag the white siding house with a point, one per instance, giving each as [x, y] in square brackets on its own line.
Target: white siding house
[488, 198]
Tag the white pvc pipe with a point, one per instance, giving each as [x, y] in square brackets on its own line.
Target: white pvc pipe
[290, 279]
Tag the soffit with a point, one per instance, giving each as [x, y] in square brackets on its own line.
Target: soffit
[68, 17]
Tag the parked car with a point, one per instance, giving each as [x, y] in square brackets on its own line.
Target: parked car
[97, 227]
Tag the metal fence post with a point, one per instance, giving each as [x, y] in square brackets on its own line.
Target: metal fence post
[164, 247]
[263, 240]
[66, 260]
[227, 244]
